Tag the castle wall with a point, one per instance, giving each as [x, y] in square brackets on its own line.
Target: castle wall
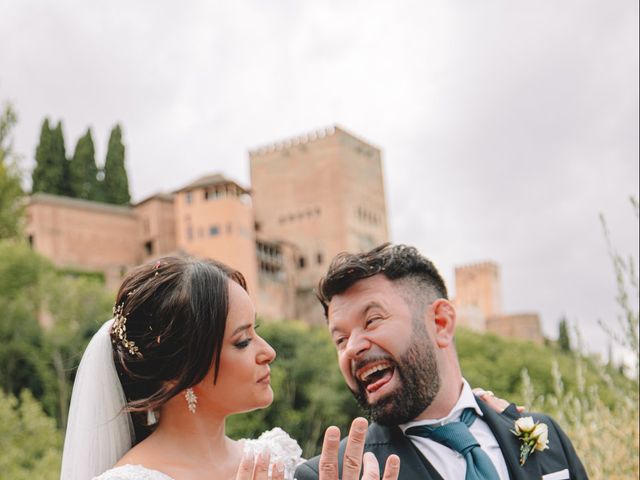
[523, 326]
[157, 226]
[84, 235]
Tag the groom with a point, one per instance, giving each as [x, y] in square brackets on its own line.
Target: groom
[393, 328]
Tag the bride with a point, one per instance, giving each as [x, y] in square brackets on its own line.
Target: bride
[157, 382]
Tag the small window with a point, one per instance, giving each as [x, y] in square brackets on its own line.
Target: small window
[189, 198]
[302, 262]
[257, 226]
[319, 258]
[148, 247]
[214, 230]
[206, 194]
[31, 240]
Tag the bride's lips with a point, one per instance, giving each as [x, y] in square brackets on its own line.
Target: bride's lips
[266, 379]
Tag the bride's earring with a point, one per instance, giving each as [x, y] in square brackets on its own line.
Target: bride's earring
[192, 400]
[152, 419]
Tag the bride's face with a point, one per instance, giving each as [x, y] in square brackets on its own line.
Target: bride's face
[243, 380]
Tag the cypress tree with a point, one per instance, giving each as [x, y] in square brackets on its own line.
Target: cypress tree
[11, 205]
[83, 170]
[45, 176]
[60, 158]
[563, 335]
[51, 174]
[115, 186]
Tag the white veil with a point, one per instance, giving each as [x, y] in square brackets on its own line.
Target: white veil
[98, 432]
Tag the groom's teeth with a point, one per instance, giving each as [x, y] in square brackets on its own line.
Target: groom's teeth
[370, 371]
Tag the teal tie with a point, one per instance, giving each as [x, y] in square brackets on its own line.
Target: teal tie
[456, 436]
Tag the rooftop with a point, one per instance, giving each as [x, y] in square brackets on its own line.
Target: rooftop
[48, 198]
[210, 181]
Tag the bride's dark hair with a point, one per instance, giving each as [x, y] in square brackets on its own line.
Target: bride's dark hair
[176, 310]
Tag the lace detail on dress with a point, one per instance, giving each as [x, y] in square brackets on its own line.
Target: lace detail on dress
[132, 472]
[282, 447]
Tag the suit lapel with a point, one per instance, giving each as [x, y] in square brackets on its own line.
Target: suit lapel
[413, 465]
[501, 426]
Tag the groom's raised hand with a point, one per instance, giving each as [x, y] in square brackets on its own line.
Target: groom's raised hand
[353, 459]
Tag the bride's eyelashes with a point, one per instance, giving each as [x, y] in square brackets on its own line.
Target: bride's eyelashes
[243, 344]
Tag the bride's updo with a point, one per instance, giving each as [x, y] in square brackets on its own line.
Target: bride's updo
[169, 323]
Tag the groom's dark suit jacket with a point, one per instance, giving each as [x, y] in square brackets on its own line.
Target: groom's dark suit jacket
[383, 441]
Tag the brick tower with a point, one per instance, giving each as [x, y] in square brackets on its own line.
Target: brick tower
[323, 193]
[478, 295]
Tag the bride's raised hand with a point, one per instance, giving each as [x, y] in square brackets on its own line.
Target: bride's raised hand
[353, 458]
[257, 468]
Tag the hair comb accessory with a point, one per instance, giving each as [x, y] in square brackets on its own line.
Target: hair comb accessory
[119, 331]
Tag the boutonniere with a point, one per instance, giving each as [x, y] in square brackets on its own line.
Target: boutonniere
[533, 435]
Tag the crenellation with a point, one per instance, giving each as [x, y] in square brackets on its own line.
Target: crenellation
[302, 139]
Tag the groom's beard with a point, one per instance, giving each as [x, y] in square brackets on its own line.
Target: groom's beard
[419, 381]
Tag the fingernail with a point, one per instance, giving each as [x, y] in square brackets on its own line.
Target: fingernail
[333, 433]
[280, 467]
[360, 425]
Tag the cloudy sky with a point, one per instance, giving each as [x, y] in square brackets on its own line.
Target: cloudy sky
[506, 127]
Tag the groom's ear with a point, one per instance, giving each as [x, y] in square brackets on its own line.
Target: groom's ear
[444, 319]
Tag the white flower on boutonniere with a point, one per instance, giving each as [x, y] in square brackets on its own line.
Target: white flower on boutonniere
[533, 435]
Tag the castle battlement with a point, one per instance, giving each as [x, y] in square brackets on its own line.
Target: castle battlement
[293, 141]
[306, 138]
[478, 266]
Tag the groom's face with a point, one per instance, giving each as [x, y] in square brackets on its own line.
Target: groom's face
[385, 352]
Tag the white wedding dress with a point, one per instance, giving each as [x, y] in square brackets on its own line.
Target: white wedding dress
[282, 447]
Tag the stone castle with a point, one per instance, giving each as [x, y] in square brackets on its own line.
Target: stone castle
[311, 197]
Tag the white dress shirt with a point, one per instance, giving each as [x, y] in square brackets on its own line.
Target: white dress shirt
[450, 464]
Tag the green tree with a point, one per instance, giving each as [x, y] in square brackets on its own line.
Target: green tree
[83, 169]
[77, 305]
[11, 194]
[51, 174]
[22, 364]
[115, 186]
[60, 158]
[48, 317]
[564, 342]
[31, 445]
[44, 177]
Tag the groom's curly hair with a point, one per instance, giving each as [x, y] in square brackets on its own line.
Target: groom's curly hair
[398, 263]
[176, 310]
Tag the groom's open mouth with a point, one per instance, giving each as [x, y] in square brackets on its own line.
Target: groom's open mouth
[375, 375]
